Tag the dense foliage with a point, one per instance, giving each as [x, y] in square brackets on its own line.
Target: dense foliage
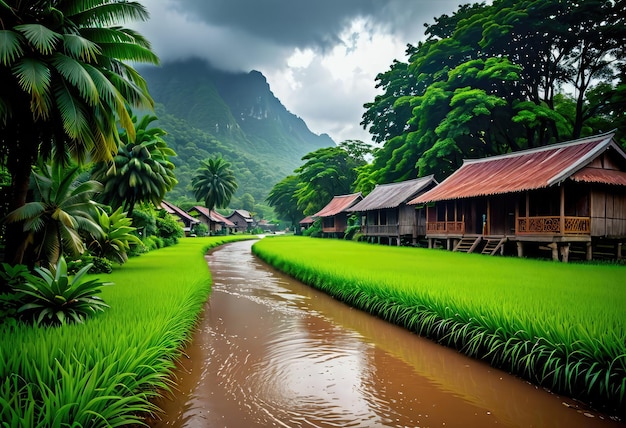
[66, 85]
[558, 325]
[500, 77]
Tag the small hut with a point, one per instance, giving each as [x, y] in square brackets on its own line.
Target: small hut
[215, 222]
[335, 215]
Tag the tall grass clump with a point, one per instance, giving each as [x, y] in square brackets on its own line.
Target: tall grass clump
[561, 326]
[104, 372]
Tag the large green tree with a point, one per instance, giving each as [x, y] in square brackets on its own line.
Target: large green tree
[328, 172]
[497, 78]
[283, 199]
[66, 83]
[214, 183]
[141, 171]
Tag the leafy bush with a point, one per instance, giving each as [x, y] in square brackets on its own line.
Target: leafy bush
[10, 302]
[354, 226]
[315, 231]
[168, 229]
[117, 238]
[53, 297]
[200, 229]
[99, 264]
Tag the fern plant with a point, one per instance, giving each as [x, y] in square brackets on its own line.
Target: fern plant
[52, 297]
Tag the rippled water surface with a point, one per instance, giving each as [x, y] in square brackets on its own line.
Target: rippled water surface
[270, 351]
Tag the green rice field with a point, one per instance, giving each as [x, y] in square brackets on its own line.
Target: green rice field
[561, 326]
[104, 372]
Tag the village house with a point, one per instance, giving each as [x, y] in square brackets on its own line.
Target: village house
[186, 220]
[386, 217]
[216, 223]
[306, 222]
[553, 200]
[335, 215]
[242, 219]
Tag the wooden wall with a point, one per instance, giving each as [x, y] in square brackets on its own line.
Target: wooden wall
[608, 212]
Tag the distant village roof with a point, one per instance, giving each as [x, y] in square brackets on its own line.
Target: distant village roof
[339, 204]
[214, 216]
[528, 170]
[244, 214]
[393, 195]
[173, 209]
[307, 220]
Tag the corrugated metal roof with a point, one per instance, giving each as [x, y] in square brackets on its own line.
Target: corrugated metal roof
[307, 220]
[519, 171]
[214, 216]
[339, 204]
[597, 175]
[393, 195]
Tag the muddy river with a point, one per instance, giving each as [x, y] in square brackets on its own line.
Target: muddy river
[272, 352]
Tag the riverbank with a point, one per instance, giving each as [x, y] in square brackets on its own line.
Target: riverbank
[560, 326]
[105, 372]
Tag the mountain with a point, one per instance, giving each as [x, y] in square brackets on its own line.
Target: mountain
[207, 111]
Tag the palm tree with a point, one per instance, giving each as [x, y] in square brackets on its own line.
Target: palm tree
[66, 83]
[214, 183]
[62, 207]
[141, 172]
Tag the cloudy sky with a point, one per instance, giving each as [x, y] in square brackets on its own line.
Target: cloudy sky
[320, 57]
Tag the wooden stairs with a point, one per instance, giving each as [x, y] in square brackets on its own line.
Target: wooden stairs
[469, 244]
[493, 245]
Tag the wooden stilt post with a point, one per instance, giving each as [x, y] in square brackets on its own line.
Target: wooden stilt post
[589, 251]
[565, 252]
[619, 250]
[555, 250]
[520, 249]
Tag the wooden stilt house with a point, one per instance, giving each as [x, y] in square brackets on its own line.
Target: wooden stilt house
[551, 199]
[217, 223]
[186, 220]
[385, 215]
[335, 215]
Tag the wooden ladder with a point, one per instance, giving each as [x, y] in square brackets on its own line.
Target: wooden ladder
[468, 244]
[493, 245]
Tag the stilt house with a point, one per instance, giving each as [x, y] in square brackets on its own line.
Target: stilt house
[217, 223]
[549, 199]
[335, 215]
[385, 215]
[242, 220]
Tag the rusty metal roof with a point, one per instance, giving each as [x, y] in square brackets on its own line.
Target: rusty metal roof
[393, 195]
[520, 171]
[307, 220]
[339, 204]
[213, 216]
[598, 175]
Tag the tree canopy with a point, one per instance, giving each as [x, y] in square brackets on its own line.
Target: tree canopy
[497, 78]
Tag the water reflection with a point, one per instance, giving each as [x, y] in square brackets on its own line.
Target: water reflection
[272, 352]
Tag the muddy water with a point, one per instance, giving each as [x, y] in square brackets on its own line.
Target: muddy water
[270, 351]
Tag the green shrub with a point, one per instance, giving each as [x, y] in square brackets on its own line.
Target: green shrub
[315, 231]
[52, 297]
[168, 229]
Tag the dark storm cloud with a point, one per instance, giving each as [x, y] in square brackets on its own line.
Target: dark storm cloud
[315, 24]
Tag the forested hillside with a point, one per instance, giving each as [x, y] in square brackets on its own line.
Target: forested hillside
[205, 112]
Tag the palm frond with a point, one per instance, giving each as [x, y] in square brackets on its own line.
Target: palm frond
[80, 48]
[34, 77]
[10, 47]
[75, 73]
[73, 115]
[103, 13]
[25, 212]
[40, 37]
[129, 52]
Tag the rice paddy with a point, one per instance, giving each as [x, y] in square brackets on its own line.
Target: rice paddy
[104, 372]
[561, 326]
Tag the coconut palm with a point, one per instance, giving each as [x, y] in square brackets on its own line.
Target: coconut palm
[214, 183]
[66, 82]
[141, 172]
[62, 207]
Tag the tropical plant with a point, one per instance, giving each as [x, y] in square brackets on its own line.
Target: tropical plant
[168, 228]
[66, 83]
[117, 236]
[62, 208]
[283, 199]
[53, 297]
[141, 171]
[214, 183]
